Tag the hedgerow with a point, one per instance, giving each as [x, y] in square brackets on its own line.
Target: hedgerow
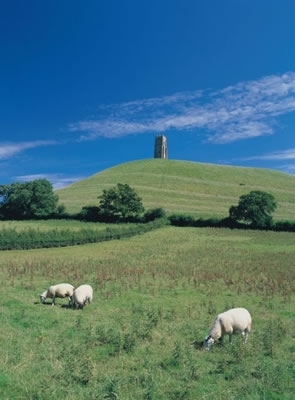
[10, 239]
[184, 220]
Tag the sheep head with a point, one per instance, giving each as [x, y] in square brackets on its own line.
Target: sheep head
[43, 296]
[208, 342]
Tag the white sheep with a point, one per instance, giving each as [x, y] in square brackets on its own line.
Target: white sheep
[235, 320]
[82, 295]
[60, 290]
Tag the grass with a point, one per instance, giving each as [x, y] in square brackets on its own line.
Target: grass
[50, 225]
[197, 189]
[154, 296]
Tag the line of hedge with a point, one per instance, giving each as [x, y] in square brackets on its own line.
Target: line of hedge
[187, 220]
[10, 239]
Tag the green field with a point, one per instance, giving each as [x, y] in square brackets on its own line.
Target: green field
[197, 189]
[154, 296]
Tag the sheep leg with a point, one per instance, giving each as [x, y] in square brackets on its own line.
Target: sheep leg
[220, 340]
[245, 336]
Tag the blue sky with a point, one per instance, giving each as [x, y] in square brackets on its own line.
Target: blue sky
[88, 85]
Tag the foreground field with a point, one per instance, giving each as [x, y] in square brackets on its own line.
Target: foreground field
[155, 296]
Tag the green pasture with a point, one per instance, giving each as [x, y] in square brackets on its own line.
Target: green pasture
[155, 297]
[197, 189]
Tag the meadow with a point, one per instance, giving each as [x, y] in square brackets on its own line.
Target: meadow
[155, 297]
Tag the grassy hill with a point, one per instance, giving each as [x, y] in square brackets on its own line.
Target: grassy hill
[197, 189]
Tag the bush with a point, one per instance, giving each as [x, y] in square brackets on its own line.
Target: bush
[286, 226]
[181, 220]
[89, 213]
[230, 223]
[155, 213]
[210, 222]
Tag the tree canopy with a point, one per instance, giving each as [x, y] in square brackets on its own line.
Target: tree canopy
[28, 200]
[120, 203]
[254, 208]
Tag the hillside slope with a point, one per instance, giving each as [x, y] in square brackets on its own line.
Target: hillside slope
[198, 189]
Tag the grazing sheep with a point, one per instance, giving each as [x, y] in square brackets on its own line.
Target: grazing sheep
[235, 320]
[82, 295]
[60, 290]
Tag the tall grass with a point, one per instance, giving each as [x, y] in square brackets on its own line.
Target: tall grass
[155, 296]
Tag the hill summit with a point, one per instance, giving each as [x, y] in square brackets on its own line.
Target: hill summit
[197, 189]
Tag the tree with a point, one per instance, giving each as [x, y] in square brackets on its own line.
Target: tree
[120, 203]
[254, 208]
[28, 200]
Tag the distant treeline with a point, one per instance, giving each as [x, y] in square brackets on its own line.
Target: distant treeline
[186, 220]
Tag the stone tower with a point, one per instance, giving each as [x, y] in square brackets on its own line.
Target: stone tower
[161, 150]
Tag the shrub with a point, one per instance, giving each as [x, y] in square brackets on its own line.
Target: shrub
[181, 220]
[155, 213]
[89, 213]
[287, 226]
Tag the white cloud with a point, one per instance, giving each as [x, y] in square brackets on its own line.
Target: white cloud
[58, 181]
[238, 132]
[246, 110]
[7, 150]
[289, 168]
[277, 155]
